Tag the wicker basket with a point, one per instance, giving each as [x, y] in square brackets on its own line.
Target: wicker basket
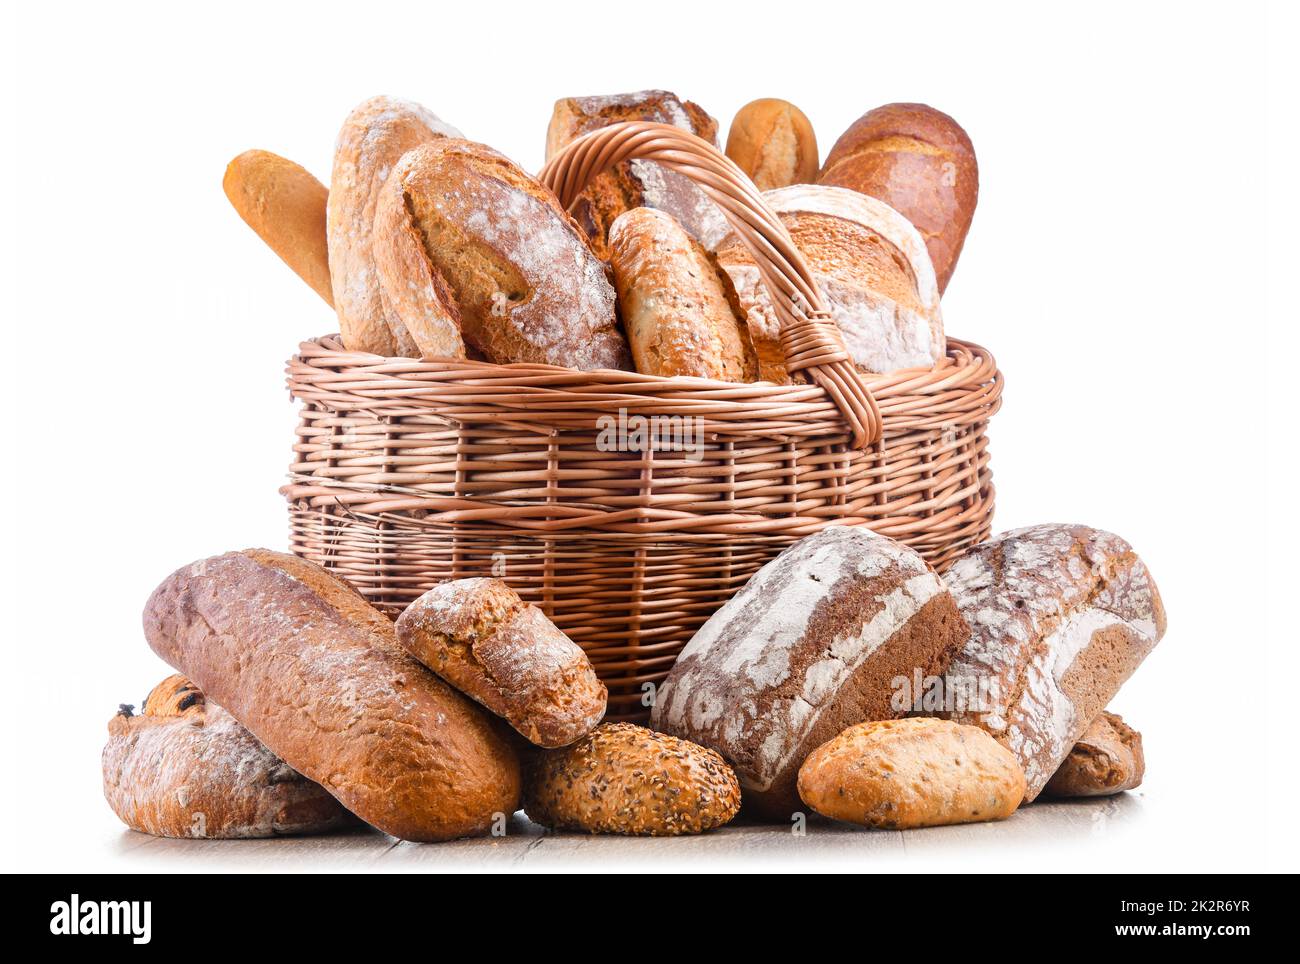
[410, 472]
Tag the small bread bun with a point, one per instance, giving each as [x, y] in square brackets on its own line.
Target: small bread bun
[1106, 760]
[285, 205]
[172, 697]
[679, 309]
[921, 163]
[462, 231]
[630, 780]
[773, 142]
[374, 136]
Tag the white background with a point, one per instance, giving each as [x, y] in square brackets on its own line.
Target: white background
[1128, 265]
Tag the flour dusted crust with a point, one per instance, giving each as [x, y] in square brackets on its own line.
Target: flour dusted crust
[679, 310]
[637, 183]
[871, 265]
[186, 768]
[480, 637]
[1108, 759]
[900, 774]
[1060, 616]
[373, 137]
[317, 675]
[516, 274]
[812, 644]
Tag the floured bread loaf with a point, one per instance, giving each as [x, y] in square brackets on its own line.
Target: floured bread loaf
[679, 308]
[1060, 616]
[469, 245]
[637, 183]
[373, 137]
[813, 643]
[871, 265]
[1107, 759]
[186, 768]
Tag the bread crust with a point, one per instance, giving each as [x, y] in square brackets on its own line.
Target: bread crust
[773, 142]
[627, 779]
[373, 138]
[902, 774]
[1106, 760]
[480, 637]
[285, 205]
[1060, 616]
[317, 675]
[186, 768]
[679, 309]
[920, 162]
[637, 183]
[526, 286]
[811, 645]
[870, 264]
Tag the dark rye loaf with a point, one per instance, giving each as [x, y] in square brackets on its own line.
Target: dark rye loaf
[1060, 616]
[811, 646]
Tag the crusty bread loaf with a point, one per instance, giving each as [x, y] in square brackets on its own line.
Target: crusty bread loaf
[811, 645]
[900, 774]
[626, 779]
[773, 142]
[285, 205]
[525, 284]
[317, 675]
[185, 768]
[637, 183]
[870, 264]
[679, 309]
[1060, 616]
[373, 137]
[1106, 760]
[921, 163]
[480, 637]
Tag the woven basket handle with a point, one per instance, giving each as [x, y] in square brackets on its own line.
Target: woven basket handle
[810, 339]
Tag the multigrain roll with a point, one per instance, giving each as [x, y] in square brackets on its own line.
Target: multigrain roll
[480, 637]
[374, 136]
[901, 774]
[469, 246]
[629, 780]
[1106, 760]
[679, 309]
[186, 768]
[285, 205]
[317, 675]
[871, 265]
[637, 183]
[812, 644]
[921, 163]
[773, 142]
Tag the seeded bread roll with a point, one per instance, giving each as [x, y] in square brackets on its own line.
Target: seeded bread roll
[1060, 616]
[1106, 760]
[316, 674]
[637, 183]
[461, 233]
[626, 779]
[285, 205]
[901, 774]
[811, 645]
[870, 264]
[679, 309]
[921, 163]
[185, 768]
[480, 637]
[374, 136]
[773, 142]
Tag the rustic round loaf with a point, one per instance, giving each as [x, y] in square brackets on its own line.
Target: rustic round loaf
[901, 774]
[464, 237]
[186, 768]
[773, 142]
[626, 779]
